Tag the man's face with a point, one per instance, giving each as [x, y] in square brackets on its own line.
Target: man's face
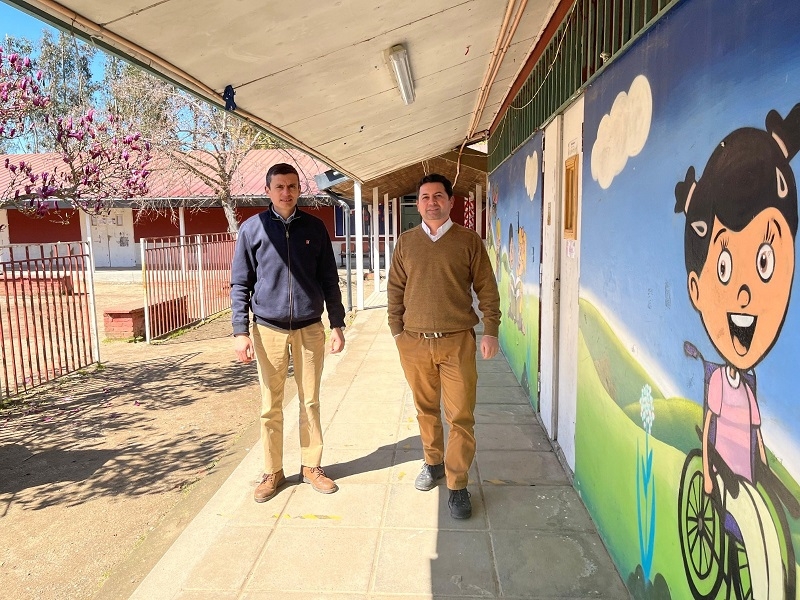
[284, 190]
[434, 204]
[743, 290]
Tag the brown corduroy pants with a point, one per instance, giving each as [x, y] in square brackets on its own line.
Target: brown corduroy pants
[442, 373]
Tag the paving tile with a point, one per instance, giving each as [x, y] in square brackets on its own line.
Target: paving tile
[494, 365]
[413, 509]
[357, 466]
[505, 413]
[511, 437]
[303, 596]
[520, 467]
[217, 571]
[502, 395]
[506, 379]
[351, 411]
[541, 507]
[354, 505]
[550, 564]
[206, 595]
[365, 436]
[298, 560]
[455, 563]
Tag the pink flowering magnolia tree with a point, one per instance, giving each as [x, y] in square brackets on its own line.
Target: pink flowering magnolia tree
[96, 161]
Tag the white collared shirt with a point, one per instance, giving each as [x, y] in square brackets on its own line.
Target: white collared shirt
[439, 232]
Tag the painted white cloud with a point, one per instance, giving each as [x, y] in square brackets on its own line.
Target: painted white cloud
[532, 174]
[623, 132]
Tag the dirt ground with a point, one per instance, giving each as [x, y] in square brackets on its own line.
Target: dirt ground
[100, 471]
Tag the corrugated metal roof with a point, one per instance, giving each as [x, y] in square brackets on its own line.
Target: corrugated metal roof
[167, 183]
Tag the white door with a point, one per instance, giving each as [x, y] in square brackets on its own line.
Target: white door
[551, 247]
[569, 275]
[112, 239]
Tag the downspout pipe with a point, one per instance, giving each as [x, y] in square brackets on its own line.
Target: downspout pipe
[346, 210]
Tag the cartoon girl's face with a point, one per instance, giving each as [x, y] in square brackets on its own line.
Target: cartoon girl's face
[743, 290]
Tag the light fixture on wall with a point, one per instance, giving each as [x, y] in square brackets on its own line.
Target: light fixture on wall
[397, 57]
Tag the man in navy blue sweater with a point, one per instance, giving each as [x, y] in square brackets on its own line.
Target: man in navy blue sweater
[284, 272]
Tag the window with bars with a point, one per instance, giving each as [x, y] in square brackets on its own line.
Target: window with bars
[591, 33]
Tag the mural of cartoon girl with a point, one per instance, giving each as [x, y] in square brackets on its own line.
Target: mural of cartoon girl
[739, 243]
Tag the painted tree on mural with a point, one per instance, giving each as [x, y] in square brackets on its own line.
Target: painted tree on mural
[103, 159]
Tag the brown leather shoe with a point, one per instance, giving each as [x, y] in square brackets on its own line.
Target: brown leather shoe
[318, 480]
[269, 486]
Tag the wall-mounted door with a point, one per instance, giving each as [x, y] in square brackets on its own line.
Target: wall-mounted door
[550, 277]
[560, 268]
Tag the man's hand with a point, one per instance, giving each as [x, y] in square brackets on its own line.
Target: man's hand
[489, 346]
[243, 346]
[337, 340]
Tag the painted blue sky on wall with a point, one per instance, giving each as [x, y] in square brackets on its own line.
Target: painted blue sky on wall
[699, 94]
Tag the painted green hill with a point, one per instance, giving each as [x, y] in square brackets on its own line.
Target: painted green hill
[675, 421]
[621, 375]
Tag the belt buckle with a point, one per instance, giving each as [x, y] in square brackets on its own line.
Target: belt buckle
[432, 336]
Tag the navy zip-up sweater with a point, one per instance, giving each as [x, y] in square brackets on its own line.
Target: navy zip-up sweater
[285, 273]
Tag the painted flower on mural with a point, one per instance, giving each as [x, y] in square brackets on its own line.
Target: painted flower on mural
[645, 485]
[646, 408]
[102, 160]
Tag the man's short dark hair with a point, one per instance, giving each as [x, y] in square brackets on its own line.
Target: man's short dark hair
[281, 169]
[436, 178]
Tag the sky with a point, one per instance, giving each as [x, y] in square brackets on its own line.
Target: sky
[16, 23]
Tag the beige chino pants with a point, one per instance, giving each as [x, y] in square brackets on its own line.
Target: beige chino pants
[442, 373]
[272, 357]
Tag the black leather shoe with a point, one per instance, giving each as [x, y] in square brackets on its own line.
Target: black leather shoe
[460, 506]
[426, 480]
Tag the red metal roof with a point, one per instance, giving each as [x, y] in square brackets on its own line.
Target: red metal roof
[169, 184]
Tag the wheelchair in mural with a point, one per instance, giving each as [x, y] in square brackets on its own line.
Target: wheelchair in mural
[712, 541]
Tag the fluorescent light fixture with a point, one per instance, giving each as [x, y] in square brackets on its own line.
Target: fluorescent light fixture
[398, 63]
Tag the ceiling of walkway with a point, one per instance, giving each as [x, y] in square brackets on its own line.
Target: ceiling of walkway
[314, 72]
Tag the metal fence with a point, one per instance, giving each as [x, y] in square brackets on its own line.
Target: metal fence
[48, 325]
[187, 279]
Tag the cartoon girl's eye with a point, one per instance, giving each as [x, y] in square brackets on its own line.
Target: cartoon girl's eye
[724, 266]
[765, 262]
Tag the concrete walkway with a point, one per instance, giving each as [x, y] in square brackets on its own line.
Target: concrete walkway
[378, 537]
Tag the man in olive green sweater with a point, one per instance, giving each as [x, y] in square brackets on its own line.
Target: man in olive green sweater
[435, 267]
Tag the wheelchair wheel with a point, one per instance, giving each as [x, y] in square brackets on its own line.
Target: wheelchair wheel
[739, 569]
[700, 531]
[785, 538]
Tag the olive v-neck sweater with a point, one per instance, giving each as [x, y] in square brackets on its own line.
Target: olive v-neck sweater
[430, 283]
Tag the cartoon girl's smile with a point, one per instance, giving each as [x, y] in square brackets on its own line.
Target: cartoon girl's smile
[742, 328]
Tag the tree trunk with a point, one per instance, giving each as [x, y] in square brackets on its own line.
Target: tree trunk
[230, 214]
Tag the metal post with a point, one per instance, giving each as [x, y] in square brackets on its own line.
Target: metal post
[374, 246]
[92, 305]
[348, 241]
[143, 248]
[359, 241]
[182, 234]
[200, 278]
[386, 235]
[479, 210]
